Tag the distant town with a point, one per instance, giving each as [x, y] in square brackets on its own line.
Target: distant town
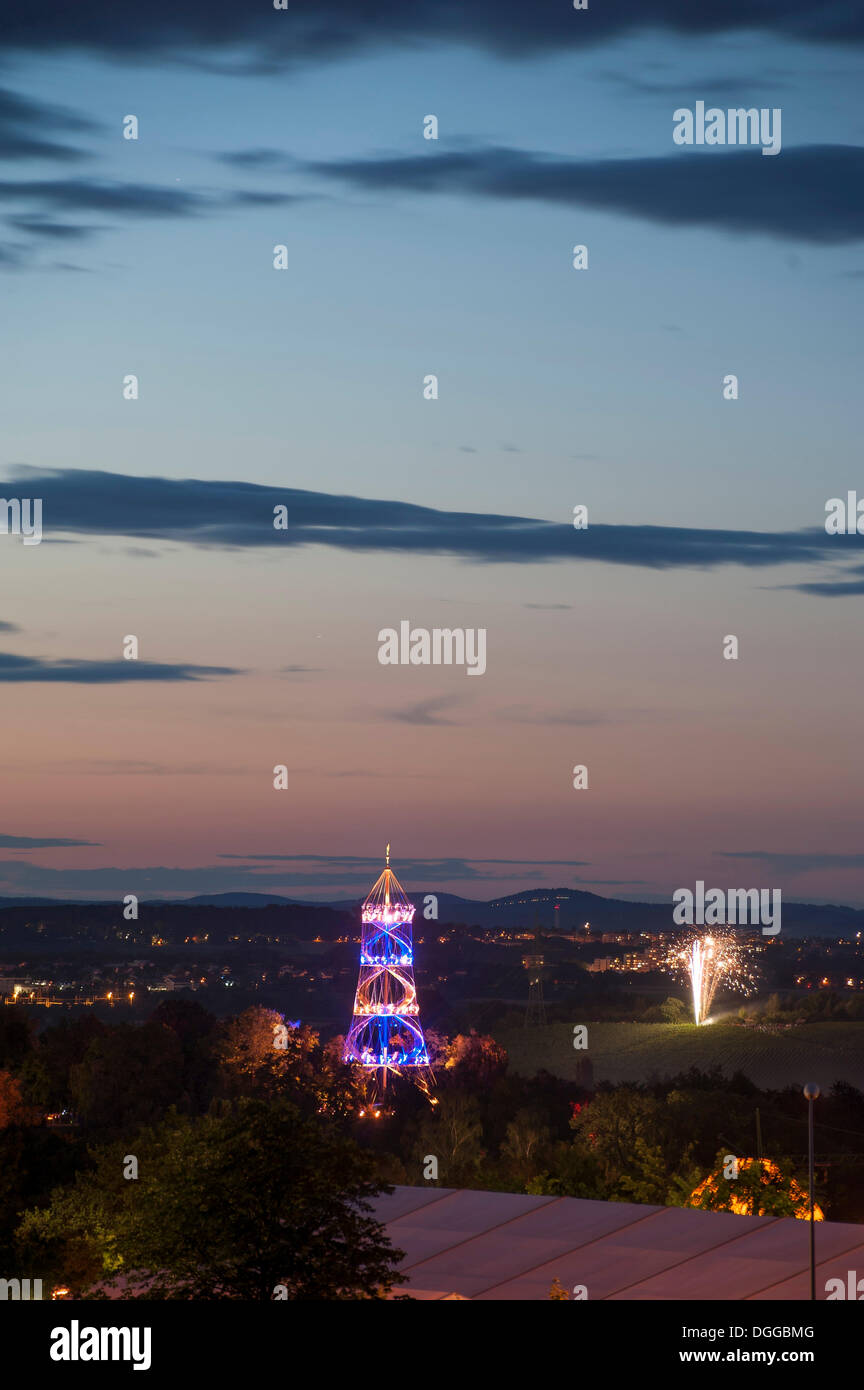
[302, 959]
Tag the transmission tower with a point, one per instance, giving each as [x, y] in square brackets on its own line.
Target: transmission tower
[535, 1013]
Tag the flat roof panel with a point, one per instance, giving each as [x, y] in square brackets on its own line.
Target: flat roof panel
[504, 1245]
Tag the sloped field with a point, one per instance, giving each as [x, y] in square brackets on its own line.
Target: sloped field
[823, 1052]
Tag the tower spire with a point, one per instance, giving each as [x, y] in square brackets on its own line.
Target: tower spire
[388, 854]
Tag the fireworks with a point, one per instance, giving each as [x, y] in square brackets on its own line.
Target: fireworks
[706, 962]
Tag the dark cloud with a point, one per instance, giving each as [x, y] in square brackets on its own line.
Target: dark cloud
[580, 718]
[239, 514]
[574, 718]
[254, 199]
[426, 712]
[9, 627]
[276, 161]
[40, 842]
[850, 583]
[325, 875]
[22, 123]
[136, 767]
[813, 193]
[22, 669]
[12, 254]
[53, 231]
[105, 195]
[44, 197]
[831, 589]
[416, 868]
[264, 39]
[689, 89]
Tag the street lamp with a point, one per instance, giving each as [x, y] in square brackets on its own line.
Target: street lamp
[811, 1091]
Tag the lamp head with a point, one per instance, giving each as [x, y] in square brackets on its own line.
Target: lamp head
[811, 1090]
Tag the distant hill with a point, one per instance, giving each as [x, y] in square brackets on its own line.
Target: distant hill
[237, 900]
[568, 909]
[549, 909]
[31, 902]
[450, 907]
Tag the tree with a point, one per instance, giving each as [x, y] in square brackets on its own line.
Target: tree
[672, 1010]
[16, 1037]
[194, 1028]
[437, 1045]
[614, 1124]
[760, 1188]
[45, 1072]
[648, 1178]
[475, 1061]
[243, 1203]
[13, 1110]
[33, 1160]
[525, 1144]
[129, 1076]
[453, 1133]
[259, 1055]
[571, 1173]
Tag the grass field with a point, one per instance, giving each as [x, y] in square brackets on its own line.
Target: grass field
[823, 1052]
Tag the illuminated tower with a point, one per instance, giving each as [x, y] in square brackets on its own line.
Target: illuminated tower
[385, 1033]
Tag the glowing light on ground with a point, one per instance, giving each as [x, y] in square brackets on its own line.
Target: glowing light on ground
[751, 1198]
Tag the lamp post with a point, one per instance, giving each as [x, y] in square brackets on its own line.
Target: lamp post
[811, 1091]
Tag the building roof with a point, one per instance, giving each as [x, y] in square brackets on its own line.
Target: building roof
[504, 1245]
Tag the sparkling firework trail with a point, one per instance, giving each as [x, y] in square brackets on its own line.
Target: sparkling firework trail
[708, 961]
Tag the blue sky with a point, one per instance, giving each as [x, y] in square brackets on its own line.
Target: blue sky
[384, 288]
[556, 387]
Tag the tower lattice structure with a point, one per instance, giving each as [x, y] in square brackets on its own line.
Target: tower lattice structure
[385, 1033]
[535, 1014]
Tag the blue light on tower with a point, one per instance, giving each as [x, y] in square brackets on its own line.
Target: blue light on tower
[385, 1033]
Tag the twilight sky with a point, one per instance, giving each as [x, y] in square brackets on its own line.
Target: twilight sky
[304, 387]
